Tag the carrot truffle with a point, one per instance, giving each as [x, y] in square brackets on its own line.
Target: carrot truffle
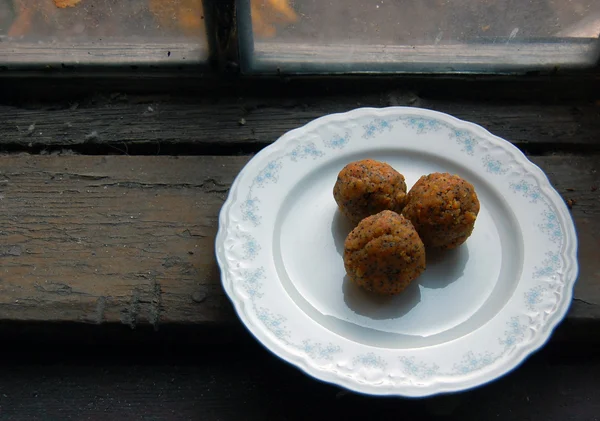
[384, 254]
[443, 209]
[367, 187]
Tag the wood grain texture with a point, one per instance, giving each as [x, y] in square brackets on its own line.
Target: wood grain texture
[22, 55]
[112, 239]
[496, 57]
[130, 240]
[120, 122]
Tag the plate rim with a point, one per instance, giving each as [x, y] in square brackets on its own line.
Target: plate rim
[571, 268]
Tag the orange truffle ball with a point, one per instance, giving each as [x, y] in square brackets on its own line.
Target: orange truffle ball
[443, 209]
[367, 187]
[384, 254]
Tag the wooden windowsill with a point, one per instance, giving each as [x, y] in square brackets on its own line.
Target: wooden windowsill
[503, 56]
[111, 199]
[25, 55]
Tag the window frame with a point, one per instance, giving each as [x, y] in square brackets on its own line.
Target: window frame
[539, 55]
[231, 50]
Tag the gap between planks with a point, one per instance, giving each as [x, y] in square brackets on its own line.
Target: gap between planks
[155, 125]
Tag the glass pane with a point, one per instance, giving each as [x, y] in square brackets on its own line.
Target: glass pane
[102, 31]
[422, 35]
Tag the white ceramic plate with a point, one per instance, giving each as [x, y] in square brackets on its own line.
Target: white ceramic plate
[474, 314]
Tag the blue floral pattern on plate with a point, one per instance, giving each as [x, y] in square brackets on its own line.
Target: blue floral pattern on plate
[250, 246]
[370, 360]
[514, 334]
[375, 127]
[270, 174]
[466, 139]
[470, 361]
[250, 210]
[337, 141]
[252, 281]
[318, 351]
[534, 297]
[494, 166]
[422, 125]
[549, 267]
[551, 226]
[527, 190]
[418, 369]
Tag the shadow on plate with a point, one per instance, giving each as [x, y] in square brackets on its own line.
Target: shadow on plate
[380, 307]
[444, 267]
[340, 228]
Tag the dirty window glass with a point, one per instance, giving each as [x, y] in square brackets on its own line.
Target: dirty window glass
[420, 35]
[102, 31]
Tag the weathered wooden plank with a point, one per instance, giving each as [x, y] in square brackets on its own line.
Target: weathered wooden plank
[130, 240]
[226, 384]
[120, 122]
[112, 239]
[500, 56]
[22, 55]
